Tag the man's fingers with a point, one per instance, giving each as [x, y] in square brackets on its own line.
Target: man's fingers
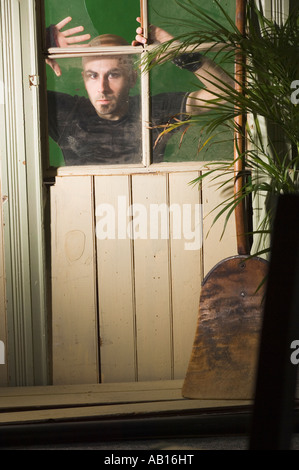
[141, 39]
[53, 64]
[56, 69]
[75, 39]
[62, 23]
[71, 31]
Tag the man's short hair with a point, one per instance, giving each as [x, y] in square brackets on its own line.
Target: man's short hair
[108, 40]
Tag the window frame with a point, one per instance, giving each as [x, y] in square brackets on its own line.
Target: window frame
[147, 165]
[22, 142]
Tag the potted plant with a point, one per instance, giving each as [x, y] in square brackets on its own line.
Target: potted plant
[267, 95]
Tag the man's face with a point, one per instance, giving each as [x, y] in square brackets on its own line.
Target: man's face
[108, 81]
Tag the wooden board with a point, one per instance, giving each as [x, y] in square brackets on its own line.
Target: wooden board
[101, 401]
[152, 279]
[115, 272]
[225, 349]
[186, 264]
[74, 314]
[216, 244]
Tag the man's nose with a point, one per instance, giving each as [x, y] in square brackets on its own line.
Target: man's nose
[103, 84]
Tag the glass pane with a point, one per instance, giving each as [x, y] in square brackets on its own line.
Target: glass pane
[188, 142]
[97, 16]
[170, 87]
[94, 112]
[86, 126]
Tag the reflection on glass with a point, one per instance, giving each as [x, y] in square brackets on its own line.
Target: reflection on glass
[99, 123]
[84, 129]
[173, 84]
[95, 116]
[170, 88]
[166, 108]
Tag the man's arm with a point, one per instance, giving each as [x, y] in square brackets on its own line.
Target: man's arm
[65, 38]
[206, 71]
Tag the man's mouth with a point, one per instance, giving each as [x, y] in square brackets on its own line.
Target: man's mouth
[103, 100]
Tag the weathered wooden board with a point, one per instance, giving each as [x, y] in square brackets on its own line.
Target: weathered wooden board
[217, 244]
[115, 278]
[225, 350]
[101, 401]
[152, 278]
[186, 264]
[74, 313]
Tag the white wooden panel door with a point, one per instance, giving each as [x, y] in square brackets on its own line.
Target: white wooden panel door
[130, 295]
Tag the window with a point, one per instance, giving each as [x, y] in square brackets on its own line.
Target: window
[78, 136]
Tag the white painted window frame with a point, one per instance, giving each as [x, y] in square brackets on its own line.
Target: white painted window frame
[22, 190]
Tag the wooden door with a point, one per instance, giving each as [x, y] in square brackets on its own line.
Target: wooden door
[129, 252]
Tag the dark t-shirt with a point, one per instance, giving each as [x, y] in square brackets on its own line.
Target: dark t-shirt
[87, 139]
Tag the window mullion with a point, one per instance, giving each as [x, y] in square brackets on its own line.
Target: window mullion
[145, 90]
[145, 115]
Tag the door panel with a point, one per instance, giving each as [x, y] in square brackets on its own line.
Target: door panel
[186, 266]
[130, 294]
[115, 273]
[218, 244]
[152, 278]
[74, 305]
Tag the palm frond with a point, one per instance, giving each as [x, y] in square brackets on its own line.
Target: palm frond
[269, 53]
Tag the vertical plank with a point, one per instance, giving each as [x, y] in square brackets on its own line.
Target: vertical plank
[115, 279]
[152, 278]
[216, 244]
[74, 307]
[186, 263]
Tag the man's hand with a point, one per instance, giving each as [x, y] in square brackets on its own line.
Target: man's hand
[156, 35]
[197, 101]
[67, 38]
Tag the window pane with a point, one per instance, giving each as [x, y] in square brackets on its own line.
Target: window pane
[94, 111]
[97, 16]
[190, 141]
[170, 86]
[78, 135]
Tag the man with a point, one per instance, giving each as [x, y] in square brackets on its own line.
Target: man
[106, 128]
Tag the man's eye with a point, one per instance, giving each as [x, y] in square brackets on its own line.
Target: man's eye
[91, 76]
[114, 75]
